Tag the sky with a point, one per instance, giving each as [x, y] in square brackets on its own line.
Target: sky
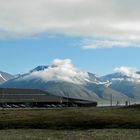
[97, 35]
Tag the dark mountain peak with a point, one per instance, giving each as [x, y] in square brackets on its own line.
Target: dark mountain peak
[39, 68]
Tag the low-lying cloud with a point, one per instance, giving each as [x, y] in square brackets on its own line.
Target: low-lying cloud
[130, 72]
[61, 70]
[115, 19]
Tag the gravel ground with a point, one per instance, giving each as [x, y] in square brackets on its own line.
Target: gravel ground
[94, 134]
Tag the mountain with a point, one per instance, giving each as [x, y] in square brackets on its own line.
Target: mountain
[39, 68]
[5, 76]
[61, 78]
[127, 83]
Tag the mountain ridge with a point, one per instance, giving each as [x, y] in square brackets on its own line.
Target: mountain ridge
[62, 78]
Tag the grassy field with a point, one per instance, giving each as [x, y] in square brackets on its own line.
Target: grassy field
[70, 124]
[70, 119]
[94, 134]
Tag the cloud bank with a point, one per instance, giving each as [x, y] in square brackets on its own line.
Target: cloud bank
[115, 19]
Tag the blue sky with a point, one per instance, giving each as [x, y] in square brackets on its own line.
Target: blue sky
[21, 55]
[95, 35]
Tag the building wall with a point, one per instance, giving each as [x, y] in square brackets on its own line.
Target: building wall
[8, 95]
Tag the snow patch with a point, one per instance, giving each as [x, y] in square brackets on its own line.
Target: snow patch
[117, 79]
[2, 77]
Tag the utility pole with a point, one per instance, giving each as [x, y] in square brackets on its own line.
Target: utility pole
[129, 101]
[61, 100]
[111, 100]
[2, 99]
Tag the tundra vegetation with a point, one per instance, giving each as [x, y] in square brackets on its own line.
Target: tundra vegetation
[71, 123]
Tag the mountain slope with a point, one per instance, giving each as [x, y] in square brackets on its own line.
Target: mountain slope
[57, 88]
[125, 81]
[61, 78]
[5, 76]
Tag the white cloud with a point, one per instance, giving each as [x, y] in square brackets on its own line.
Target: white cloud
[130, 72]
[93, 44]
[115, 19]
[128, 26]
[125, 70]
[61, 70]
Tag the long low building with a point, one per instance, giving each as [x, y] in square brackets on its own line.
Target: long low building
[35, 97]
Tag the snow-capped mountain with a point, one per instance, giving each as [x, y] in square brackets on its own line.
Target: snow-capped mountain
[125, 80]
[5, 76]
[61, 78]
